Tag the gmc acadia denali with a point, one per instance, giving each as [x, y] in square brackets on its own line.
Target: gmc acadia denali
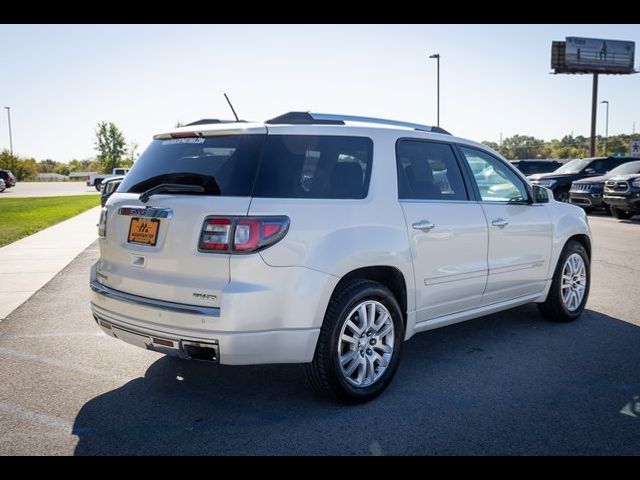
[326, 240]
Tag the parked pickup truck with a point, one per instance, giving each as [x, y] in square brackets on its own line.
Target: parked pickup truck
[622, 194]
[96, 179]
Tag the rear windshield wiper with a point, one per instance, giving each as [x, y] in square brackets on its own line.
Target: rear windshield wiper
[169, 188]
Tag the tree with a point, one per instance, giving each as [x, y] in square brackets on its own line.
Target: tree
[492, 145]
[8, 161]
[62, 169]
[133, 151]
[47, 166]
[521, 146]
[22, 168]
[111, 145]
[27, 170]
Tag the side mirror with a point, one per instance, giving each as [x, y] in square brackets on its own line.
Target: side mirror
[540, 194]
[590, 171]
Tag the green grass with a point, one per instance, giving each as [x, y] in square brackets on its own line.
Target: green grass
[20, 217]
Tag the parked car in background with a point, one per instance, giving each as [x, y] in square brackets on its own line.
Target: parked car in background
[9, 178]
[533, 166]
[622, 194]
[3, 186]
[327, 240]
[589, 192]
[560, 180]
[95, 179]
[108, 186]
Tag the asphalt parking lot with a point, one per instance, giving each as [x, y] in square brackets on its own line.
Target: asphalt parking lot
[47, 189]
[509, 383]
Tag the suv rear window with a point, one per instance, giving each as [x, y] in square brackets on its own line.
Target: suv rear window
[224, 165]
[287, 166]
[315, 166]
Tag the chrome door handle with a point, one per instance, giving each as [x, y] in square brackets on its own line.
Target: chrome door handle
[500, 222]
[423, 225]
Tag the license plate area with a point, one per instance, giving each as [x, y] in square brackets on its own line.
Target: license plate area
[143, 231]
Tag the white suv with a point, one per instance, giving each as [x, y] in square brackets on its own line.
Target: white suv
[326, 240]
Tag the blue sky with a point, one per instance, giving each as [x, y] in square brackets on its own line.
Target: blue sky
[61, 80]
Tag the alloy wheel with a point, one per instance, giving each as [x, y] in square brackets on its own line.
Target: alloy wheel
[365, 345]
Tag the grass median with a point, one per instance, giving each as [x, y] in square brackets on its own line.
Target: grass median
[20, 217]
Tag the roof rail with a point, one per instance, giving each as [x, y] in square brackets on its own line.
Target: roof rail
[211, 120]
[310, 118]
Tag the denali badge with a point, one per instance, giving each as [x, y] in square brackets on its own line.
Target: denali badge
[204, 296]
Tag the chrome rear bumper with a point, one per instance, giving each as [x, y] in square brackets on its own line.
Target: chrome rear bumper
[153, 303]
[205, 350]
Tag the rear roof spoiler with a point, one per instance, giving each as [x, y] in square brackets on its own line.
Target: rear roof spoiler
[205, 121]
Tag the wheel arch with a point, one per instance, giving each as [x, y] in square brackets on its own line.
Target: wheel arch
[583, 240]
[389, 276]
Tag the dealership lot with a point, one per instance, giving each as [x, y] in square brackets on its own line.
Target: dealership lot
[509, 383]
[47, 189]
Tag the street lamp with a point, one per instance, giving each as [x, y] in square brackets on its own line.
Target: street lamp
[606, 134]
[10, 137]
[437, 57]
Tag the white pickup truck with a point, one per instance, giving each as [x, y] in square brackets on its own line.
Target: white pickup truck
[96, 179]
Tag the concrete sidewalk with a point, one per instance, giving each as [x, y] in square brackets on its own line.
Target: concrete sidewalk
[28, 264]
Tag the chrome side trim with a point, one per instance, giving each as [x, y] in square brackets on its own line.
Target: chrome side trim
[145, 212]
[153, 303]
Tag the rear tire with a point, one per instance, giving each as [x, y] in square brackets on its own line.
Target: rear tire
[372, 354]
[571, 280]
[621, 214]
[97, 184]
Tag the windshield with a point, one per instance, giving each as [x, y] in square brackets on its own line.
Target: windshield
[626, 169]
[574, 166]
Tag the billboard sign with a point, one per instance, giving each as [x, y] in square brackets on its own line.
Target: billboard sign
[599, 55]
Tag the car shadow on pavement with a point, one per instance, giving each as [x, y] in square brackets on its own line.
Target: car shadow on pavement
[509, 383]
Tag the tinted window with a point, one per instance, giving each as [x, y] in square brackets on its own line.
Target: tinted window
[428, 171]
[574, 166]
[616, 162]
[626, 168]
[224, 165]
[600, 166]
[315, 166]
[496, 181]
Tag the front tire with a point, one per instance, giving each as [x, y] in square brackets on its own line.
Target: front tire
[570, 285]
[621, 214]
[360, 343]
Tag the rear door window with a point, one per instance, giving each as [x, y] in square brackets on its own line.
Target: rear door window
[315, 166]
[428, 171]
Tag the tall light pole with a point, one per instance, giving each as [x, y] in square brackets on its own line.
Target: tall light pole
[10, 137]
[606, 132]
[437, 57]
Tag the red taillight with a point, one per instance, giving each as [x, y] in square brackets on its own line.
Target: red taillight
[249, 234]
[215, 234]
